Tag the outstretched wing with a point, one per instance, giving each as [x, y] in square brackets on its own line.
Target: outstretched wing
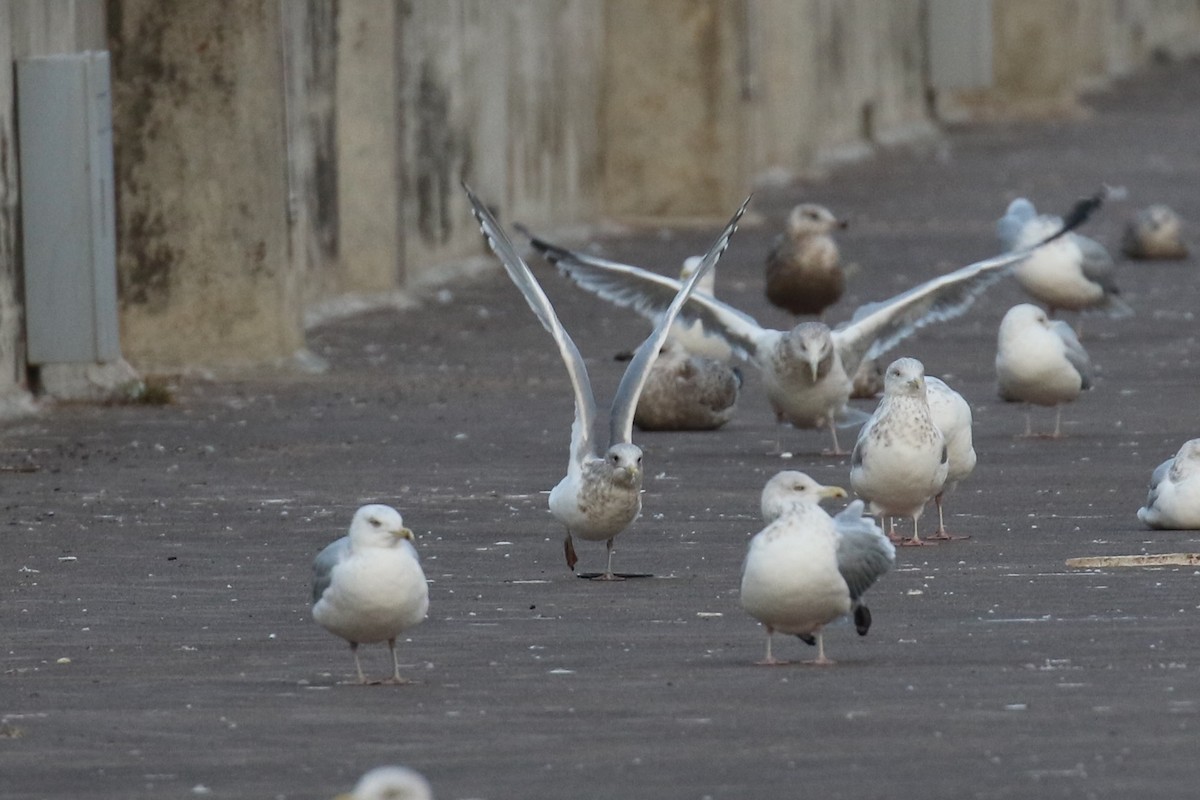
[649, 294]
[324, 563]
[634, 380]
[878, 327]
[863, 552]
[518, 270]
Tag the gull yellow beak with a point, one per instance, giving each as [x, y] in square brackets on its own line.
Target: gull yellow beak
[831, 492]
[404, 533]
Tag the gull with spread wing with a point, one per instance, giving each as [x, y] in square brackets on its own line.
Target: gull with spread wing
[807, 371]
[601, 493]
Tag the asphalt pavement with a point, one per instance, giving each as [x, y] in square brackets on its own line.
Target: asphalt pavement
[157, 641]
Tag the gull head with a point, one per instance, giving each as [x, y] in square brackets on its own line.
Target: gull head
[625, 461]
[378, 526]
[1190, 452]
[904, 377]
[1020, 317]
[812, 343]
[390, 783]
[810, 219]
[790, 488]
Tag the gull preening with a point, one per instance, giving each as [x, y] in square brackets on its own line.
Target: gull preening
[1072, 273]
[806, 569]
[600, 496]
[952, 415]
[1041, 362]
[806, 371]
[1155, 232]
[900, 461]
[803, 274]
[390, 783]
[1174, 499]
[368, 586]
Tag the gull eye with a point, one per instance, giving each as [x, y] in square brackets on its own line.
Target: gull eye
[375, 523]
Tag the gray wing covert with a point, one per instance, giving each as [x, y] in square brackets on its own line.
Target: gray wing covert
[324, 563]
[864, 553]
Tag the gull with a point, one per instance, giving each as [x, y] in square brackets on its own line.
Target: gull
[368, 585]
[952, 416]
[600, 496]
[691, 333]
[900, 461]
[1072, 273]
[1040, 362]
[1174, 499]
[390, 783]
[1154, 233]
[806, 569]
[687, 393]
[803, 273]
[807, 370]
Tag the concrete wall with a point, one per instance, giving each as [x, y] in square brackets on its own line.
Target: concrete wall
[275, 154]
[204, 258]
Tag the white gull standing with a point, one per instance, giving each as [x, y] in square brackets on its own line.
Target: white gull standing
[952, 415]
[900, 461]
[806, 371]
[1040, 361]
[806, 569]
[1174, 499]
[600, 496]
[368, 586]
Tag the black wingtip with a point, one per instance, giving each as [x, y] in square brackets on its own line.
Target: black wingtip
[862, 619]
[1080, 213]
[807, 638]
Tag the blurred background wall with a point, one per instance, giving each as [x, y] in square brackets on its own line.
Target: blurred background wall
[273, 156]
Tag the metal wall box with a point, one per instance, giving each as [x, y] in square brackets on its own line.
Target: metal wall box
[64, 124]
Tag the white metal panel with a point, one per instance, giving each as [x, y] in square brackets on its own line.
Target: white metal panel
[960, 44]
[64, 117]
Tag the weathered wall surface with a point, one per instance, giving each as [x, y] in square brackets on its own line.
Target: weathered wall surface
[205, 269]
[274, 155]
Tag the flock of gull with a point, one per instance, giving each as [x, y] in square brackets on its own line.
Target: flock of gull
[805, 568]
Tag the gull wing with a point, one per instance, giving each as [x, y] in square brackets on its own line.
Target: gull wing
[1074, 351]
[863, 552]
[585, 402]
[634, 380]
[878, 327]
[649, 294]
[324, 563]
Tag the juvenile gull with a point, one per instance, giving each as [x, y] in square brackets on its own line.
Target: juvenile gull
[1154, 233]
[1072, 273]
[601, 493]
[1174, 499]
[803, 273]
[1040, 362]
[390, 783]
[900, 460]
[806, 370]
[952, 416]
[368, 585]
[806, 569]
[687, 393]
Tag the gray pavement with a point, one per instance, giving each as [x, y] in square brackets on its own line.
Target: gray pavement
[156, 635]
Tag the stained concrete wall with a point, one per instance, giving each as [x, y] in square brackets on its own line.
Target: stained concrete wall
[204, 259]
[274, 154]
